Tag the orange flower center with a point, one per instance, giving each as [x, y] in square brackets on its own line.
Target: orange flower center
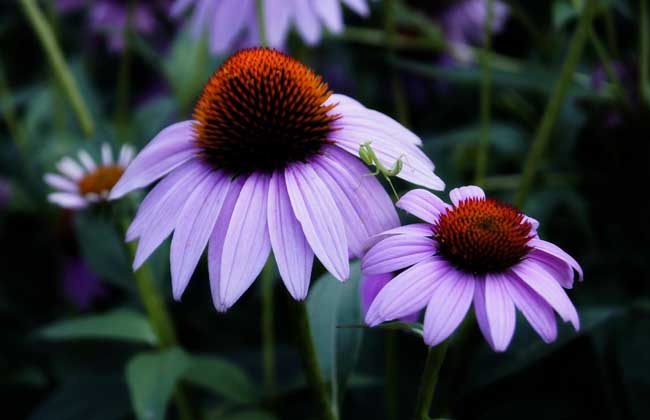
[482, 236]
[100, 180]
[260, 111]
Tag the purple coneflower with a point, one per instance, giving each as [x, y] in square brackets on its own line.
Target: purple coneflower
[268, 162]
[79, 185]
[109, 17]
[5, 193]
[233, 23]
[80, 285]
[463, 25]
[476, 250]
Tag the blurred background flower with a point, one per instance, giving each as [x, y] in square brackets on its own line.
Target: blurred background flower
[81, 286]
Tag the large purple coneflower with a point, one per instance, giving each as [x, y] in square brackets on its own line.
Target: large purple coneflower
[268, 162]
[476, 250]
[463, 25]
[82, 184]
[233, 23]
[110, 17]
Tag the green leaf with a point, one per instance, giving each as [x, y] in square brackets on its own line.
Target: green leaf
[243, 415]
[332, 303]
[151, 378]
[563, 13]
[222, 377]
[121, 324]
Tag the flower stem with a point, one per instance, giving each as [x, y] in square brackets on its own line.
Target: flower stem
[644, 63]
[268, 357]
[435, 358]
[390, 387]
[555, 102]
[310, 362]
[486, 89]
[390, 26]
[62, 72]
[261, 24]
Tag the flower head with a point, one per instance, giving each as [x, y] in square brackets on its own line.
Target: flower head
[269, 162]
[79, 185]
[475, 250]
[463, 25]
[233, 23]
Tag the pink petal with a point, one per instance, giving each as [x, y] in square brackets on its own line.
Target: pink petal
[247, 245]
[397, 252]
[290, 247]
[464, 193]
[557, 268]
[500, 311]
[319, 217]
[423, 205]
[557, 252]
[481, 311]
[448, 306]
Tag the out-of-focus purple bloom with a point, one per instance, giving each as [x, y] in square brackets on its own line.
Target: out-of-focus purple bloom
[269, 162]
[80, 285]
[232, 24]
[5, 193]
[627, 75]
[463, 25]
[476, 250]
[109, 17]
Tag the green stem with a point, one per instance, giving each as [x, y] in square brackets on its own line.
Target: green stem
[268, 357]
[124, 77]
[261, 23]
[644, 63]
[610, 30]
[59, 66]
[486, 89]
[435, 358]
[390, 387]
[555, 102]
[9, 115]
[310, 362]
[390, 26]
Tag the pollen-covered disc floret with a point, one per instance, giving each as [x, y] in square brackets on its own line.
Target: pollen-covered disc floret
[482, 236]
[262, 110]
[84, 182]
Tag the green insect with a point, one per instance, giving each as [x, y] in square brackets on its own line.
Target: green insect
[369, 157]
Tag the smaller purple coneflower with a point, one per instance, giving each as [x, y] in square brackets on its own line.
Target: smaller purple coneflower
[463, 25]
[476, 250]
[79, 185]
[5, 193]
[80, 285]
[233, 24]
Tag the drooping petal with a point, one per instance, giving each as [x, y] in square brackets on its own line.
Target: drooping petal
[168, 150]
[307, 24]
[409, 292]
[448, 306]
[292, 252]
[397, 252]
[500, 311]
[60, 183]
[463, 193]
[535, 309]
[423, 205]
[202, 16]
[229, 19]
[195, 224]
[480, 309]
[67, 200]
[70, 168]
[557, 252]
[548, 288]
[277, 18]
[416, 229]
[370, 288]
[557, 268]
[331, 13]
[162, 219]
[360, 7]
[215, 246]
[319, 217]
[247, 245]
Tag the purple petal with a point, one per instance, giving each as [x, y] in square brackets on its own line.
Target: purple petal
[179, 7]
[360, 7]
[500, 311]
[160, 221]
[247, 245]
[416, 229]
[308, 26]
[423, 205]
[168, 150]
[290, 247]
[277, 18]
[86, 160]
[370, 288]
[448, 306]
[538, 313]
[217, 238]
[481, 311]
[67, 200]
[548, 288]
[229, 19]
[60, 183]
[319, 217]
[557, 268]
[556, 251]
[331, 13]
[409, 292]
[70, 169]
[397, 252]
[464, 193]
[195, 224]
